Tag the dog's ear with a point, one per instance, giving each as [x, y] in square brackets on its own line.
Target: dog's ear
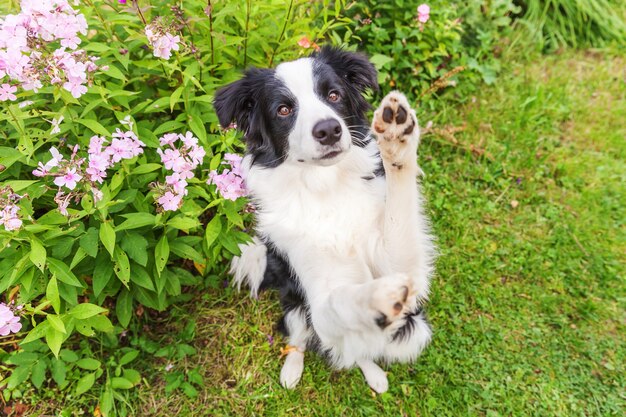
[354, 67]
[232, 103]
[236, 101]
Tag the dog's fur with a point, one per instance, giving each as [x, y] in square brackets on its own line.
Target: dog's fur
[341, 231]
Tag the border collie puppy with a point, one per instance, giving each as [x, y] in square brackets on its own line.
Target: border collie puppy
[340, 227]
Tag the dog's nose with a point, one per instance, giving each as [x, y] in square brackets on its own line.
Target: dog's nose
[327, 132]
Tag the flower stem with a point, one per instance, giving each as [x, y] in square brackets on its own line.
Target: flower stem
[104, 23]
[245, 42]
[282, 33]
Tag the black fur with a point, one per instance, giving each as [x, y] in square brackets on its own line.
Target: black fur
[252, 102]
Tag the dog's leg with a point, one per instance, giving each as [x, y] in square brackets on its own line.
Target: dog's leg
[299, 333]
[406, 240]
[376, 378]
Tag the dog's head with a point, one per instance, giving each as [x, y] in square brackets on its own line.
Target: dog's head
[309, 111]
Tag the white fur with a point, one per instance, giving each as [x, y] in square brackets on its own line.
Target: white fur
[250, 266]
[299, 334]
[298, 77]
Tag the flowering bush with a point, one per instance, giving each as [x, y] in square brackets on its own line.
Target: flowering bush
[416, 45]
[113, 193]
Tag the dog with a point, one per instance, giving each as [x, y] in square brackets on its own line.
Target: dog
[340, 227]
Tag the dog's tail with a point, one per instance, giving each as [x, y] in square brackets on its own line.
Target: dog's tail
[249, 267]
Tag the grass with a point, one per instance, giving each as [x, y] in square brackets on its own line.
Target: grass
[527, 203]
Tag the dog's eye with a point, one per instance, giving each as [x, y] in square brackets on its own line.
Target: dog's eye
[284, 111]
[333, 96]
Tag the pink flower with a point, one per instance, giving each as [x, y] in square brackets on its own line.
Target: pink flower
[177, 182]
[168, 139]
[120, 149]
[172, 159]
[6, 92]
[188, 139]
[423, 13]
[9, 218]
[229, 184]
[69, 179]
[9, 323]
[170, 201]
[197, 154]
[162, 42]
[76, 88]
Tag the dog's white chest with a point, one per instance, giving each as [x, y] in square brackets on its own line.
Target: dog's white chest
[336, 210]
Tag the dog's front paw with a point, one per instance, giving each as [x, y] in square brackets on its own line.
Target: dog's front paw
[390, 298]
[291, 371]
[376, 378]
[397, 131]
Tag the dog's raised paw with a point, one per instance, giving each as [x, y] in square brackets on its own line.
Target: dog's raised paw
[390, 296]
[396, 129]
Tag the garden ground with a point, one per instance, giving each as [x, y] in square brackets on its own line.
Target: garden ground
[525, 186]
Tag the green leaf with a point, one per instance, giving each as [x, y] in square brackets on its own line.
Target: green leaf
[37, 254]
[58, 371]
[89, 242]
[139, 276]
[19, 375]
[79, 255]
[85, 383]
[136, 220]
[183, 223]
[136, 247]
[106, 401]
[231, 213]
[37, 332]
[128, 357]
[56, 323]
[212, 231]
[52, 294]
[89, 364]
[121, 266]
[38, 373]
[175, 96]
[86, 310]
[68, 355]
[124, 307]
[107, 237]
[102, 273]
[63, 272]
[54, 339]
[101, 323]
[161, 253]
[121, 383]
[145, 169]
[186, 252]
[380, 60]
[197, 127]
[132, 375]
[94, 127]
[189, 390]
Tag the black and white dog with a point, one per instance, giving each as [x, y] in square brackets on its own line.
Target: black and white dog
[340, 228]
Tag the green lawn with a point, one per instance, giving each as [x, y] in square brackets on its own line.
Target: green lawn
[528, 301]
